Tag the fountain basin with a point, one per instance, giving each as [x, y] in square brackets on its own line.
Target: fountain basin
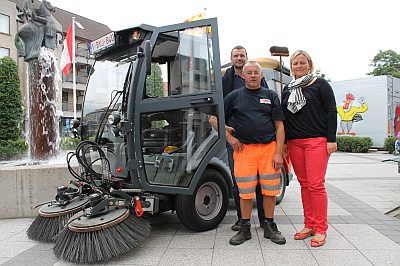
[24, 187]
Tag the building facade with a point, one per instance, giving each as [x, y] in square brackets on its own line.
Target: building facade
[11, 20]
[368, 107]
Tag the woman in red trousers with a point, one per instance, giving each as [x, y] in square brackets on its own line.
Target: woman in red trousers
[310, 109]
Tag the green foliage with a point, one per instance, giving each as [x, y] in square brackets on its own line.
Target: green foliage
[154, 82]
[12, 149]
[155, 88]
[354, 144]
[386, 63]
[67, 144]
[11, 144]
[10, 101]
[389, 144]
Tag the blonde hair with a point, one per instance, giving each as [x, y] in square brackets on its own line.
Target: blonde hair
[299, 52]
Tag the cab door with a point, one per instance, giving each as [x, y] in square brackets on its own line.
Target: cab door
[174, 140]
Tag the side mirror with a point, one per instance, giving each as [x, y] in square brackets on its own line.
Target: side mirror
[147, 56]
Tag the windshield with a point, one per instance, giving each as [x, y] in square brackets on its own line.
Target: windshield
[106, 89]
[103, 96]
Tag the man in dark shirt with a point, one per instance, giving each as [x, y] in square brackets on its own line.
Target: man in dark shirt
[233, 80]
[258, 149]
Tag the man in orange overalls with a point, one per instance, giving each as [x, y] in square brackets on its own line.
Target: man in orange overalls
[258, 149]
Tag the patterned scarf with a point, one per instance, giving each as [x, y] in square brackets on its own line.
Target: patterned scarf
[296, 99]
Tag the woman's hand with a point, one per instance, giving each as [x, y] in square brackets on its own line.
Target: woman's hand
[331, 147]
[285, 150]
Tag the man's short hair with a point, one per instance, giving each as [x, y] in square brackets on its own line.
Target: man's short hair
[253, 62]
[238, 47]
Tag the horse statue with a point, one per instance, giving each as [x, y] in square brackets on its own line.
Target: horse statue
[40, 30]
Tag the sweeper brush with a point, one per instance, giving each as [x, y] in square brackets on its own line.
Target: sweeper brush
[69, 200]
[100, 238]
[54, 215]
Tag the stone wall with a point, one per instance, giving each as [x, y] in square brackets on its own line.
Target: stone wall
[23, 188]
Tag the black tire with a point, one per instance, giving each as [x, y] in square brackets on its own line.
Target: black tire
[206, 208]
[279, 197]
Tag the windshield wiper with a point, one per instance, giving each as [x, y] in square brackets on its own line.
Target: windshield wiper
[113, 102]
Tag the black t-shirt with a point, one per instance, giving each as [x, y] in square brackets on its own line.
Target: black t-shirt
[231, 82]
[254, 112]
[318, 118]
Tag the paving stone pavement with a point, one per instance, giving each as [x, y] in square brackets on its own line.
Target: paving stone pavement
[361, 190]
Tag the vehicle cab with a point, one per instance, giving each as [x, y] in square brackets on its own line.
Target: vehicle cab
[148, 101]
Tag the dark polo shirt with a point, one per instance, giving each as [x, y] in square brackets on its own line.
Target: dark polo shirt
[254, 112]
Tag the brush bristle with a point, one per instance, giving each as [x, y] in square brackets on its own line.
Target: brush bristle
[44, 229]
[102, 245]
[278, 50]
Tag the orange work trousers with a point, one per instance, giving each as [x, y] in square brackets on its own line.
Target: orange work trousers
[253, 165]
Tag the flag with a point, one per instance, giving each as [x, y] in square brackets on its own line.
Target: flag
[66, 55]
[196, 31]
[196, 17]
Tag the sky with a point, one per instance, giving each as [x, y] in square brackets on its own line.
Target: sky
[341, 36]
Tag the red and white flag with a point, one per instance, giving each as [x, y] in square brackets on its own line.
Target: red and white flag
[66, 56]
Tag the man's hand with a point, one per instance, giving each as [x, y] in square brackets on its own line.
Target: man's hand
[277, 162]
[234, 142]
[229, 129]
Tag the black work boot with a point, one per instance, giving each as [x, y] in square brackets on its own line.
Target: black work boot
[236, 226]
[262, 222]
[271, 232]
[241, 236]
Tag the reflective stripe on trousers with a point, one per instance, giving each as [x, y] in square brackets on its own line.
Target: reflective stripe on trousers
[253, 164]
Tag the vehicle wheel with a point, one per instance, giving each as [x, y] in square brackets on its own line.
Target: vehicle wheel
[206, 208]
[279, 197]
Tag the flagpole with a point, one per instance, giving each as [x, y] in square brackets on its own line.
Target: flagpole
[73, 67]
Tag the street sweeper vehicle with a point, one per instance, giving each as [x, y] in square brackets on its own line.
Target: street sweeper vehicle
[147, 144]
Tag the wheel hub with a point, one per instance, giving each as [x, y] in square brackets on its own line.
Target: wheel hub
[208, 200]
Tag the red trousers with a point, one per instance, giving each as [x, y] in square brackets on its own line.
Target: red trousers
[309, 158]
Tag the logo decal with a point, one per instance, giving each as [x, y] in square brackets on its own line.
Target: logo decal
[265, 101]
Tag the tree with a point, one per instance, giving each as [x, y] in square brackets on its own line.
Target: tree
[386, 63]
[155, 88]
[11, 144]
[10, 100]
[154, 82]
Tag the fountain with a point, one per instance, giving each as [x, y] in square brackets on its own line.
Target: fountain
[34, 41]
[27, 183]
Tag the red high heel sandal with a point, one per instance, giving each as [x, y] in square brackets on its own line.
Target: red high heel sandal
[318, 243]
[301, 236]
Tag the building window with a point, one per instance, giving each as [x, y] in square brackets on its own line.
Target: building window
[65, 106]
[4, 24]
[65, 96]
[4, 52]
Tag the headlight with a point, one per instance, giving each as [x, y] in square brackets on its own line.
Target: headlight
[114, 119]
